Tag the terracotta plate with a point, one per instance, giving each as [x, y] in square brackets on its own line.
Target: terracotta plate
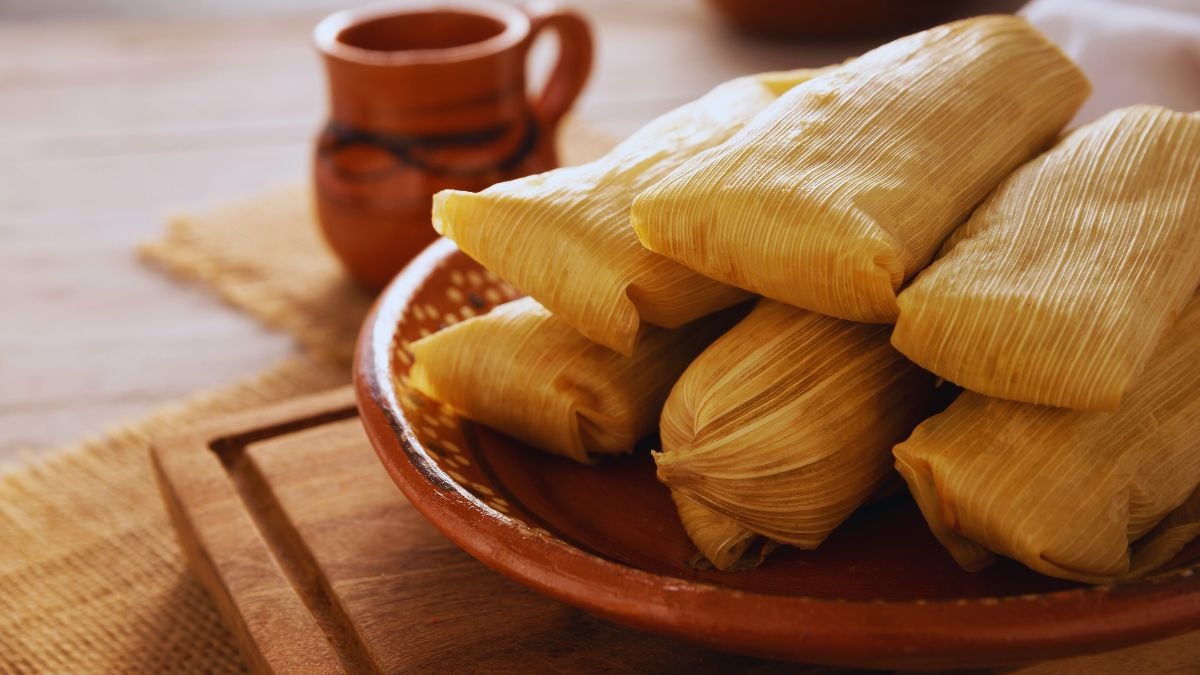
[880, 592]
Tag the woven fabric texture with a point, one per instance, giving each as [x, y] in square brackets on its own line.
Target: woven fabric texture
[92, 579]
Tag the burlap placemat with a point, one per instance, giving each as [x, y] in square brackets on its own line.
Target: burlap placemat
[92, 579]
[91, 576]
[266, 256]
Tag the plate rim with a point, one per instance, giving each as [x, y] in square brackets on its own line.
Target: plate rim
[857, 633]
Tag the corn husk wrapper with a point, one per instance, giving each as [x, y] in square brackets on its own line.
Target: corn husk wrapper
[1064, 491]
[1058, 288]
[522, 371]
[720, 539]
[847, 184]
[564, 237]
[1168, 538]
[786, 423]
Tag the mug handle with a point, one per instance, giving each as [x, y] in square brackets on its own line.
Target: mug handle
[574, 59]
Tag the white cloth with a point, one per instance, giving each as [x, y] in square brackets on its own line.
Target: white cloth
[1133, 51]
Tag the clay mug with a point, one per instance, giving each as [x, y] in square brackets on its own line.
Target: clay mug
[426, 96]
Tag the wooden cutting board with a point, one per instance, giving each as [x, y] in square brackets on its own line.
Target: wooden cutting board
[318, 564]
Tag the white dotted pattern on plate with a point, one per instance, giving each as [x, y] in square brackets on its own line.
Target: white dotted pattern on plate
[456, 291]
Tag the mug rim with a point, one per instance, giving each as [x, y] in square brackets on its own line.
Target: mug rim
[326, 33]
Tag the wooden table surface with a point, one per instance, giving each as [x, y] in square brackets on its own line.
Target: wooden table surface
[113, 113]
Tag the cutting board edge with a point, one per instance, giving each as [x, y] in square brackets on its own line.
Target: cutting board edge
[212, 526]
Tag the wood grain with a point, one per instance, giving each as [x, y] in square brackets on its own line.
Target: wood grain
[318, 563]
[147, 107]
[109, 123]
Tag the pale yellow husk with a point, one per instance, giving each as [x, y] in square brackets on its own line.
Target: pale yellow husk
[720, 539]
[1057, 289]
[564, 236]
[1067, 492]
[522, 371]
[847, 184]
[786, 423]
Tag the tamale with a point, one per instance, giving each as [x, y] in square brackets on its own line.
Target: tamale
[1068, 492]
[844, 187]
[564, 237]
[786, 423]
[1168, 538]
[1057, 289]
[720, 539]
[524, 372]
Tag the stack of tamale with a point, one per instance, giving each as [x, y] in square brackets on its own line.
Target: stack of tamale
[1072, 285]
[1064, 272]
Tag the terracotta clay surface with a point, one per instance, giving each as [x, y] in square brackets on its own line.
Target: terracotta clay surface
[428, 96]
[880, 592]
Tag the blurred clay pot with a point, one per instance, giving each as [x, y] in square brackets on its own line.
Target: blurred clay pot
[832, 19]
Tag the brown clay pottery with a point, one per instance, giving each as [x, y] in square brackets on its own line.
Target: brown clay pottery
[789, 19]
[880, 592]
[426, 96]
